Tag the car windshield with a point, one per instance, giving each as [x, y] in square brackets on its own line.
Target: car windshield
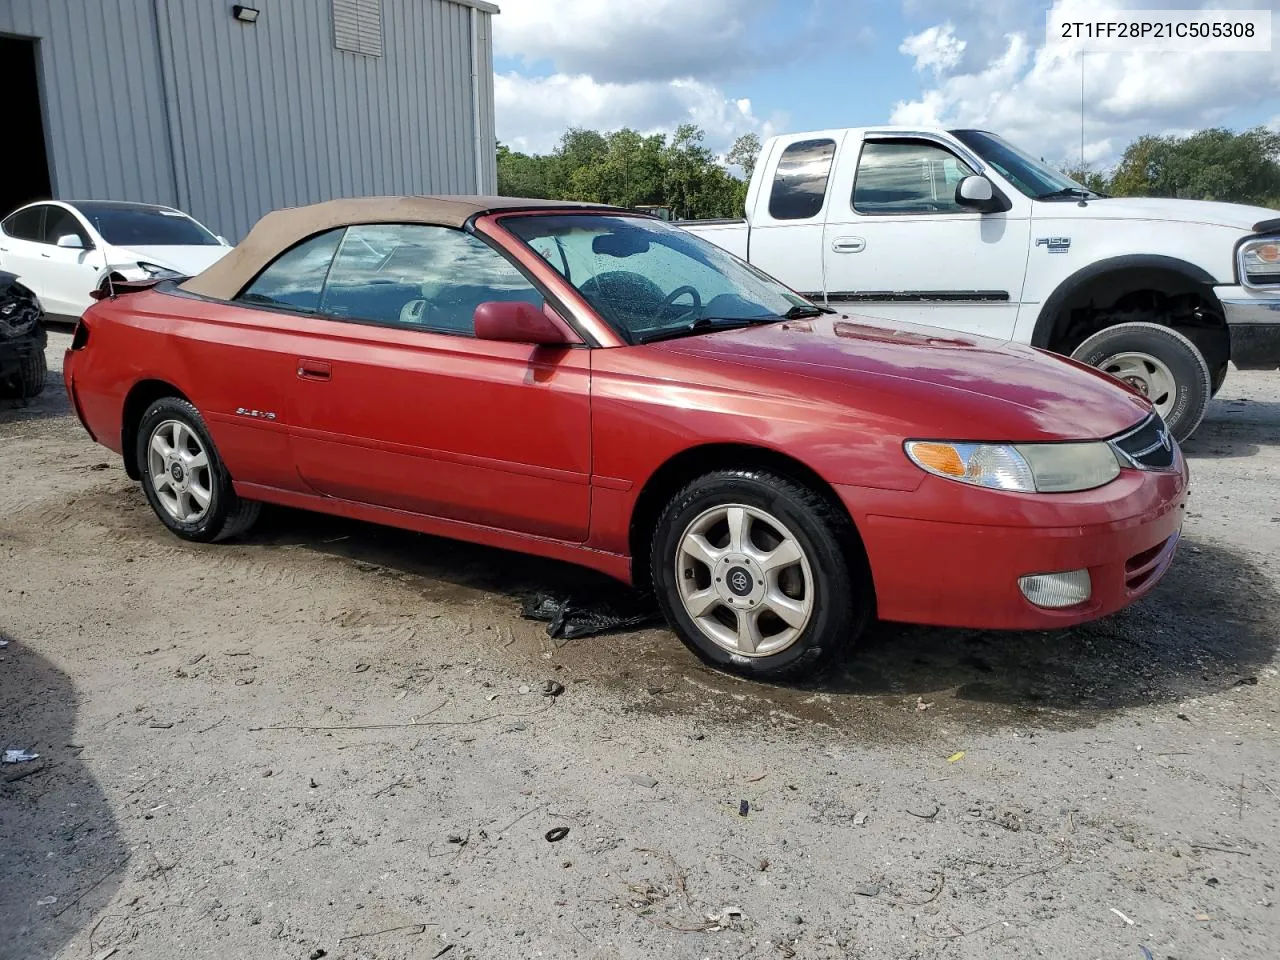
[126, 226]
[1028, 174]
[651, 280]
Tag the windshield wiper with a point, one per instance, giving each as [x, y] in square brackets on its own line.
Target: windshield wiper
[1069, 192]
[803, 311]
[704, 324]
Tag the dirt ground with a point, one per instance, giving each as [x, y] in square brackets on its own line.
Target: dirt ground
[332, 737]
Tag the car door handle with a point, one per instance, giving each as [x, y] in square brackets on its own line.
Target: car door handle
[848, 245]
[314, 370]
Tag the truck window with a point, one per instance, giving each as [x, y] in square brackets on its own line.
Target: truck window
[800, 183]
[908, 177]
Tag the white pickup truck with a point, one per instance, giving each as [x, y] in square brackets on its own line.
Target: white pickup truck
[960, 229]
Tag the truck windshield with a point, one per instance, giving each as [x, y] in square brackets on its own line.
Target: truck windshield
[651, 281]
[1028, 174]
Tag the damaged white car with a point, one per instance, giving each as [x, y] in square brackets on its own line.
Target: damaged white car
[66, 250]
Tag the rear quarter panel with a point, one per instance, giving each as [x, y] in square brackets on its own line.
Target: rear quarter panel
[219, 357]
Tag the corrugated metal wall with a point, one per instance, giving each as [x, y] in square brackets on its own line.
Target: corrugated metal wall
[104, 98]
[174, 101]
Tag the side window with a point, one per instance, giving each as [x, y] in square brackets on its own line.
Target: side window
[908, 177]
[295, 279]
[419, 276]
[26, 224]
[800, 183]
[59, 222]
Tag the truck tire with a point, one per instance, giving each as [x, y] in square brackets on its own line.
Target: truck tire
[1158, 362]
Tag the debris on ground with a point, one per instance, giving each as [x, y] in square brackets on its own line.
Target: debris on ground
[317, 953]
[570, 618]
[1122, 916]
[860, 819]
[552, 688]
[642, 780]
[556, 834]
[926, 811]
[724, 918]
[744, 807]
[19, 756]
[955, 757]
[867, 890]
[46, 901]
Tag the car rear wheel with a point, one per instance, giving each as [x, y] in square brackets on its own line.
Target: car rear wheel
[1160, 363]
[184, 478]
[752, 571]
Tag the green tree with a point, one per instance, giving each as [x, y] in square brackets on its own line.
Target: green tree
[744, 152]
[626, 168]
[1212, 164]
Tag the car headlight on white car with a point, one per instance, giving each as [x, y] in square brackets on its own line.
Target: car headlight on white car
[156, 272]
[1020, 467]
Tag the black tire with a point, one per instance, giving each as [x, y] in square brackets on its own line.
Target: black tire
[842, 597]
[226, 515]
[32, 374]
[1217, 377]
[1185, 404]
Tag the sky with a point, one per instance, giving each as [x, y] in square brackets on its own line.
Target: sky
[781, 66]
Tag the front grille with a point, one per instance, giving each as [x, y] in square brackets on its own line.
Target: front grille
[1148, 446]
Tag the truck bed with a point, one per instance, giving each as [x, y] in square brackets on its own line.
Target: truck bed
[729, 233]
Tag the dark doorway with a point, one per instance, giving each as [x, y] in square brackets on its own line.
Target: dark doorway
[26, 176]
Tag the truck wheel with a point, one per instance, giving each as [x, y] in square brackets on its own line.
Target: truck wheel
[184, 478]
[750, 571]
[1158, 362]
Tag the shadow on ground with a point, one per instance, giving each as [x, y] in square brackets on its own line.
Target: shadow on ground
[1235, 428]
[58, 839]
[1208, 626]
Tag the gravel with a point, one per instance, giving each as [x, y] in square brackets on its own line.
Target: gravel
[1108, 774]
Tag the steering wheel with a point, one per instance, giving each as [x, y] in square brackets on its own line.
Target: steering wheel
[670, 299]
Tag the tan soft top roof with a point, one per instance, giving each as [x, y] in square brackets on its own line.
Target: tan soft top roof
[282, 229]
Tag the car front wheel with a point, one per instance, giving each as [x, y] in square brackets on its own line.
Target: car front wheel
[184, 478]
[753, 571]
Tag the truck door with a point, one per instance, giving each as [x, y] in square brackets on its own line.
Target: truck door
[787, 224]
[897, 244]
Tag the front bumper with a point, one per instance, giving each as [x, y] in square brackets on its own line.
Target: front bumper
[951, 555]
[1253, 318]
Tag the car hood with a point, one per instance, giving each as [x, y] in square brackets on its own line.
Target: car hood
[1235, 215]
[186, 260]
[929, 383]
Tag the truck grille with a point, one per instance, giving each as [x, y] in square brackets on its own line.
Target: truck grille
[1148, 446]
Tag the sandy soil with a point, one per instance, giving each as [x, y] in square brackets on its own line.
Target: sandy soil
[317, 740]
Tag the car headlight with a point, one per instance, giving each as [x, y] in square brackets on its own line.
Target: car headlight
[1260, 261]
[1022, 467]
[156, 272]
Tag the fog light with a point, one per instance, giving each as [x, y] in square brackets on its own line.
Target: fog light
[1055, 590]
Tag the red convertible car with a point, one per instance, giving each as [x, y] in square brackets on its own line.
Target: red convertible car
[594, 385]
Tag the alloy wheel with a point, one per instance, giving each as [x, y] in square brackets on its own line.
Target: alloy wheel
[744, 580]
[180, 471]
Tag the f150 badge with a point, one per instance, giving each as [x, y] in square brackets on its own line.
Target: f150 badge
[1055, 244]
[256, 414]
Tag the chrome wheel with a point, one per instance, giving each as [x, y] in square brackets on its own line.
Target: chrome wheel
[1146, 374]
[180, 474]
[744, 580]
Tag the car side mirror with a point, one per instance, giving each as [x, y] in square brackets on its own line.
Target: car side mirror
[515, 321]
[69, 241]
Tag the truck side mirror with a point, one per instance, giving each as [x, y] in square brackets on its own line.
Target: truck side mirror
[974, 191]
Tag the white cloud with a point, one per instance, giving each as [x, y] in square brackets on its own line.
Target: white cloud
[937, 49]
[635, 40]
[533, 112]
[1030, 93]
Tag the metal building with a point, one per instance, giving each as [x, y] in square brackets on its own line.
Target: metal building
[230, 110]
